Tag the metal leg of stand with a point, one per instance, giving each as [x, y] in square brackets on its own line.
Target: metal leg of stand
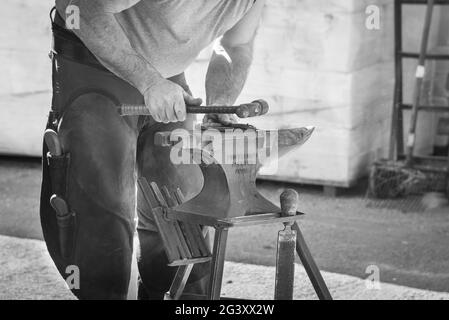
[218, 256]
[310, 266]
[179, 282]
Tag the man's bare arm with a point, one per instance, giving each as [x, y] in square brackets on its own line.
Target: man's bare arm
[227, 73]
[230, 62]
[102, 34]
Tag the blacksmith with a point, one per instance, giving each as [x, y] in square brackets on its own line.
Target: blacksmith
[131, 52]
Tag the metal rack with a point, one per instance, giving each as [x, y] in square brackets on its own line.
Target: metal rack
[404, 172]
[396, 151]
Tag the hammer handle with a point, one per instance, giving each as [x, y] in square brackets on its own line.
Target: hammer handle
[143, 110]
[212, 109]
[246, 110]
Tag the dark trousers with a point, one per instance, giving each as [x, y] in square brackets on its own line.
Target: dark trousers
[106, 154]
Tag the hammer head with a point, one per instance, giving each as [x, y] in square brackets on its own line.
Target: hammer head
[289, 202]
[253, 109]
[264, 107]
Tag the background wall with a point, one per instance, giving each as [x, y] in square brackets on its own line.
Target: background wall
[25, 75]
[315, 62]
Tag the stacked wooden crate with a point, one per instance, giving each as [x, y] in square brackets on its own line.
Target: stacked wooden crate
[318, 64]
[25, 75]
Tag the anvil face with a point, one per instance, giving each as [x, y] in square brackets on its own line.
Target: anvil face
[232, 145]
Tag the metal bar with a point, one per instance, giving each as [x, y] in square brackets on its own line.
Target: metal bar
[184, 262]
[252, 220]
[201, 234]
[182, 241]
[414, 55]
[396, 138]
[246, 110]
[190, 238]
[310, 266]
[165, 232]
[142, 110]
[420, 72]
[188, 229]
[216, 274]
[438, 2]
[195, 218]
[285, 264]
[261, 219]
[422, 108]
[179, 282]
[181, 237]
[172, 229]
[157, 211]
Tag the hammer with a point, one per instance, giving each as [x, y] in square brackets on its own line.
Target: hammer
[246, 110]
[286, 247]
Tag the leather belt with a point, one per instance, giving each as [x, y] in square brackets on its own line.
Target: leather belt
[68, 45]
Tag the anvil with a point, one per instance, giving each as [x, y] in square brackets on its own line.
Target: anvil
[229, 158]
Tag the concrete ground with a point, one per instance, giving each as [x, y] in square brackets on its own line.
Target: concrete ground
[344, 235]
[27, 272]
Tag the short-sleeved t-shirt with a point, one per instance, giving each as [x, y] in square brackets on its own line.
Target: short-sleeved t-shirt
[171, 33]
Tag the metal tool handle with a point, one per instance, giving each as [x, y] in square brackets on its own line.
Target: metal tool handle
[253, 109]
[289, 203]
[286, 247]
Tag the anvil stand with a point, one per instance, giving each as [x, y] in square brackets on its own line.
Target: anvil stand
[229, 198]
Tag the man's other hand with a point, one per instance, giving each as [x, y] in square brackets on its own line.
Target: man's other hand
[167, 101]
[218, 120]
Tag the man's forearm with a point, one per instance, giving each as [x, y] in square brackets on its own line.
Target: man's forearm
[102, 34]
[227, 73]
